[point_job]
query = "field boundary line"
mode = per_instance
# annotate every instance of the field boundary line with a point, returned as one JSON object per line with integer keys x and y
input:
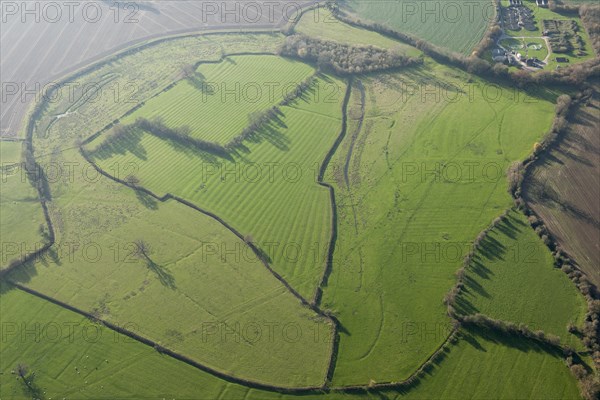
{"x": 314, "y": 303}
{"x": 322, "y": 169}
{"x": 258, "y": 252}
{"x": 166, "y": 351}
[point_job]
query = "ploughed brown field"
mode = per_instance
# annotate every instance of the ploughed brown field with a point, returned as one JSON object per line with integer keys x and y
{"x": 564, "y": 188}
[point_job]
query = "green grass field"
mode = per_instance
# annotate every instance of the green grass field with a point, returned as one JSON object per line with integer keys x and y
{"x": 456, "y": 26}
{"x": 513, "y": 279}
{"x": 420, "y": 172}
{"x": 73, "y": 358}
{"x": 10, "y": 152}
{"x": 469, "y": 365}
{"x": 203, "y": 102}
{"x": 403, "y": 226}
{"x": 193, "y": 266}
{"x": 21, "y": 216}
{"x": 268, "y": 192}
{"x": 322, "y": 24}
{"x": 20, "y": 236}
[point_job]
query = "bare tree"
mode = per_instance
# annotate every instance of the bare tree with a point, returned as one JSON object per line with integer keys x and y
{"x": 22, "y": 371}
{"x": 132, "y": 180}
{"x": 143, "y": 249}
{"x": 188, "y": 70}
{"x": 27, "y": 377}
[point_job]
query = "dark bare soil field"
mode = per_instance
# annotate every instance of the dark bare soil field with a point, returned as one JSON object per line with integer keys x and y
{"x": 564, "y": 189}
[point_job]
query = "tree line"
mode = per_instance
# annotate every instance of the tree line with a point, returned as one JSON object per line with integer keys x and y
{"x": 590, "y": 16}
{"x": 342, "y": 58}
{"x": 182, "y": 135}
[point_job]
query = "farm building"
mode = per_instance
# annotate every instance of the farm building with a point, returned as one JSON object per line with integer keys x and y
{"x": 541, "y": 3}
{"x": 498, "y": 55}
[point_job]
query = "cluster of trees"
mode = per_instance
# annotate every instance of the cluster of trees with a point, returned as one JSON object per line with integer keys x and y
{"x": 27, "y": 378}
{"x": 302, "y": 88}
{"x": 257, "y": 121}
{"x": 490, "y": 37}
{"x": 343, "y": 58}
{"x": 559, "y": 7}
{"x": 590, "y": 16}
{"x": 489, "y": 40}
{"x": 589, "y": 383}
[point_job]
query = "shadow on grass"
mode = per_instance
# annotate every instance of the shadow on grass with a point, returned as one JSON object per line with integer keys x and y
{"x": 129, "y": 142}
{"x": 490, "y": 250}
{"x": 146, "y": 200}
{"x": 164, "y": 276}
{"x": 471, "y": 334}
{"x": 30, "y": 388}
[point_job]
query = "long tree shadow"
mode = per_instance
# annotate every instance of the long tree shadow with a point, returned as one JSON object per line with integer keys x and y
{"x": 129, "y": 141}
{"x": 480, "y": 269}
{"x": 549, "y": 159}
{"x": 29, "y": 386}
{"x": 491, "y": 248}
{"x": 568, "y": 153}
{"x": 146, "y": 200}
{"x": 165, "y": 277}
{"x": 510, "y": 227}
{"x": 515, "y": 341}
{"x": 481, "y": 339}
{"x": 463, "y": 305}
{"x": 198, "y": 81}
{"x": 271, "y": 132}
{"x": 472, "y": 284}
